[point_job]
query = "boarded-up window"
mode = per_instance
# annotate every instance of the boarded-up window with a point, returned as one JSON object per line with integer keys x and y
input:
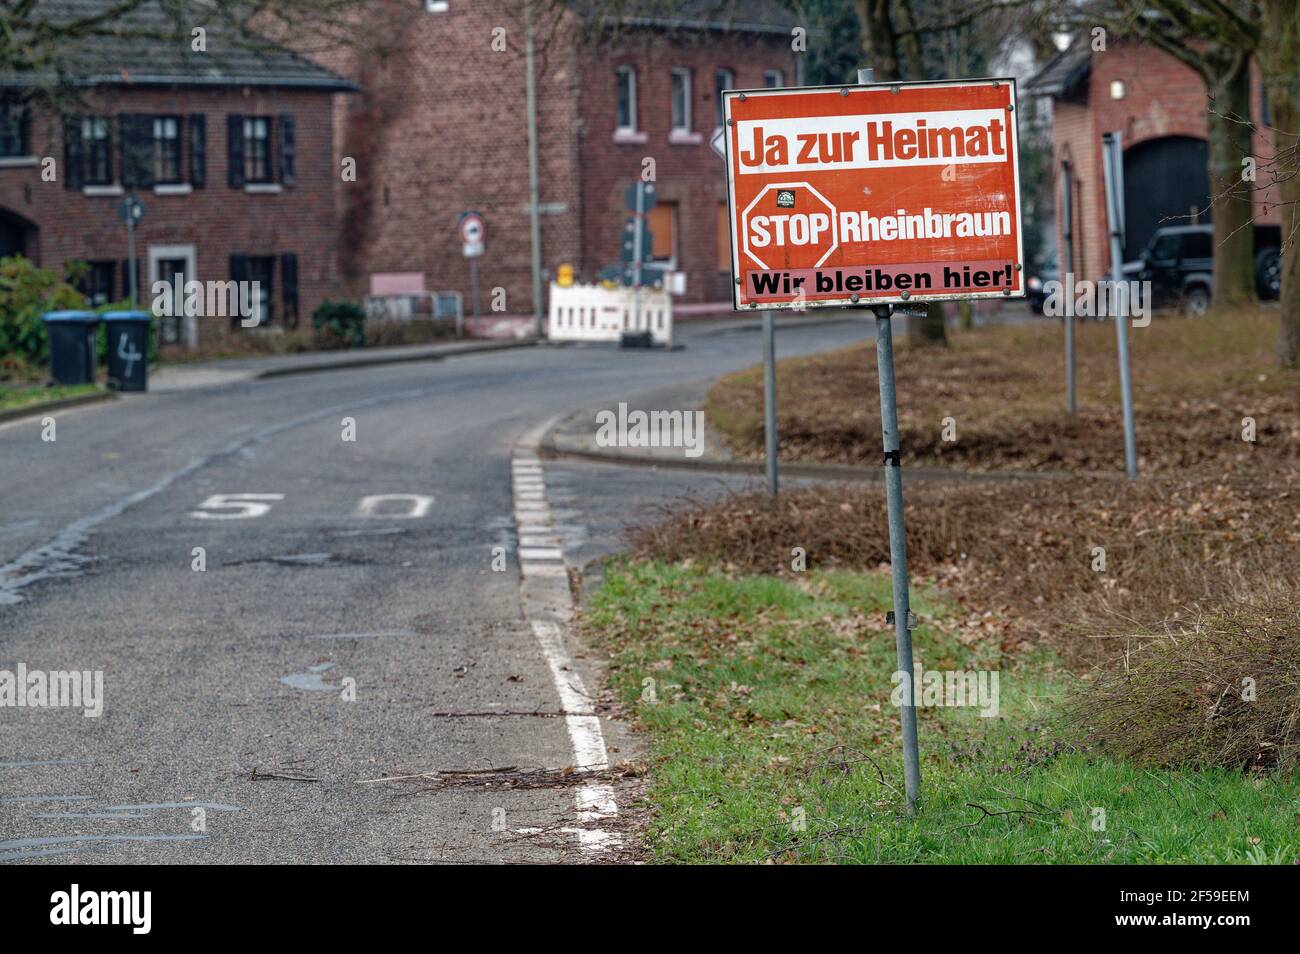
{"x": 724, "y": 239}
{"x": 663, "y": 229}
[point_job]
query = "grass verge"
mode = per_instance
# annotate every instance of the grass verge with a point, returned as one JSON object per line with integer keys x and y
{"x": 772, "y": 736}
{"x": 14, "y": 398}
{"x": 994, "y": 400}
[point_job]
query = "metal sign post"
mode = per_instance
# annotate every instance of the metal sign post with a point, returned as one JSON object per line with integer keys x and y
{"x": 769, "y": 399}
{"x": 472, "y": 236}
{"x": 534, "y": 189}
{"x": 902, "y": 615}
{"x": 1112, "y": 153}
{"x": 897, "y": 535}
{"x": 638, "y": 253}
{"x": 1065, "y": 272}
{"x": 131, "y": 211}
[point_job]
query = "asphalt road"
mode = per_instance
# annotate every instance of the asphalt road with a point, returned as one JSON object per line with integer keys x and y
{"x": 224, "y": 689}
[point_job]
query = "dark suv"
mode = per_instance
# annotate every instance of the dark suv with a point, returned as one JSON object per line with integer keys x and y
{"x": 1179, "y": 264}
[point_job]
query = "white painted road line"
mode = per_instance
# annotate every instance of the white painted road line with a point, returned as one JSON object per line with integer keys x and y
{"x": 540, "y": 553}
{"x": 555, "y": 570}
{"x": 541, "y": 565}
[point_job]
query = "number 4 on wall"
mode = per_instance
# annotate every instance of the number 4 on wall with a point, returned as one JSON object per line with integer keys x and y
{"x": 236, "y": 506}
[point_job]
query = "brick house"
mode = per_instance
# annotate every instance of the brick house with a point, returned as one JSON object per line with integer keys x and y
{"x": 1160, "y": 106}
{"x": 229, "y": 150}
{"x": 441, "y": 128}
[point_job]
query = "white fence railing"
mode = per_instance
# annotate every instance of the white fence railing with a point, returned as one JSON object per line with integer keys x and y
{"x": 597, "y": 313}
{"x": 437, "y": 306}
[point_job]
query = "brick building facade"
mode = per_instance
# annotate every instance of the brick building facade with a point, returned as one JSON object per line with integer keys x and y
{"x": 230, "y": 156}
{"x": 1160, "y": 106}
{"x": 441, "y": 128}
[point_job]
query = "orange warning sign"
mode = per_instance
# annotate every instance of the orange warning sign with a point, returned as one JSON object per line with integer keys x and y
{"x": 893, "y": 192}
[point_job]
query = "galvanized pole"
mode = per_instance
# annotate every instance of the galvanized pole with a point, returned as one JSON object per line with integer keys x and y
{"x": 897, "y": 548}
{"x": 897, "y": 535}
{"x": 769, "y": 399}
{"x": 132, "y": 268}
{"x": 1065, "y": 272}
{"x": 473, "y": 283}
{"x": 638, "y": 252}
{"x": 1112, "y": 153}
{"x": 534, "y": 196}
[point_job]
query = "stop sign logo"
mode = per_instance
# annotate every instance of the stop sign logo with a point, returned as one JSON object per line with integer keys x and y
{"x": 789, "y": 225}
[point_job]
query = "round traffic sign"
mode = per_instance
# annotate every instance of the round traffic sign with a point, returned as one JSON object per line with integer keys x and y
{"x": 471, "y": 228}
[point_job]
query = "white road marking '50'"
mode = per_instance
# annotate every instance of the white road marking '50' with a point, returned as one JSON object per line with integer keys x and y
{"x": 394, "y": 505}
{"x": 246, "y": 506}
{"x": 243, "y": 506}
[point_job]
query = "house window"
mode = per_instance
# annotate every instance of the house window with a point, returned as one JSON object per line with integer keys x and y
{"x": 626, "y": 99}
{"x": 13, "y": 130}
{"x": 681, "y": 106}
{"x": 773, "y": 79}
{"x": 662, "y": 220}
{"x": 436, "y": 6}
{"x": 257, "y": 149}
{"x": 97, "y": 150}
{"x": 167, "y": 149}
{"x": 261, "y": 269}
{"x": 722, "y": 80}
{"x": 97, "y": 283}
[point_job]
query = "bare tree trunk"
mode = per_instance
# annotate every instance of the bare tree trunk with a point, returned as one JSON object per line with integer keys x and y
{"x": 913, "y": 61}
{"x": 885, "y": 53}
{"x": 879, "y": 38}
{"x": 1280, "y": 58}
{"x": 1230, "y": 143}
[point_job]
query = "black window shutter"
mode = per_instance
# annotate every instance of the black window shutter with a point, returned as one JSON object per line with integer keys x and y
{"x": 126, "y": 280}
{"x": 235, "y": 153}
{"x": 288, "y": 150}
{"x": 289, "y": 278}
{"x": 136, "y": 132}
{"x": 198, "y": 150}
{"x": 74, "y": 166}
{"x": 238, "y": 273}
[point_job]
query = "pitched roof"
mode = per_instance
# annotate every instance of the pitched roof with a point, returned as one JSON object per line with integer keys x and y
{"x": 150, "y": 46}
{"x": 1063, "y": 73}
{"x": 743, "y": 16}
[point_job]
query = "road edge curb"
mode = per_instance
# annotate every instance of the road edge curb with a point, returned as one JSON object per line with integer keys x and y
{"x": 363, "y": 361}
{"x": 549, "y": 450}
{"x": 59, "y": 404}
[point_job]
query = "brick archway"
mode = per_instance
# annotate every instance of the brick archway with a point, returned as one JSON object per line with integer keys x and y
{"x": 1164, "y": 179}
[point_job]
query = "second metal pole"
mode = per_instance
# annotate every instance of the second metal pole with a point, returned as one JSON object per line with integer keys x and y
{"x": 1065, "y": 272}
{"x": 132, "y": 267}
{"x": 1112, "y": 153}
{"x": 769, "y": 399}
{"x": 897, "y": 549}
{"x": 534, "y": 191}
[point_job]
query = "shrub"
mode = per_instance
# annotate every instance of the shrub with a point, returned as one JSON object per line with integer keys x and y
{"x": 419, "y": 331}
{"x": 339, "y": 324}
{"x": 1225, "y": 693}
{"x": 26, "y": 293}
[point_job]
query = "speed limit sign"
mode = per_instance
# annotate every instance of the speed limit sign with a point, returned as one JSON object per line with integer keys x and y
{"x": 471, "y": 234}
